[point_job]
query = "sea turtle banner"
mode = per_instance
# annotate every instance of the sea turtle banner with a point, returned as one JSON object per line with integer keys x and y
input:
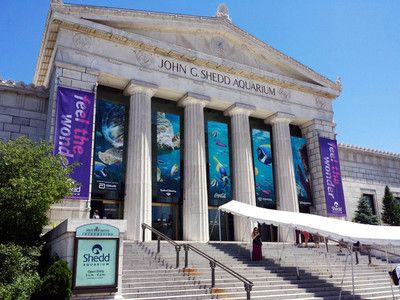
{"x": 109, "y": 164}
{"x": 219, "y": 178}
{"x": 263, "y": 168}
{"x": 73, "y": 135}
{"x": 168, "y": 156}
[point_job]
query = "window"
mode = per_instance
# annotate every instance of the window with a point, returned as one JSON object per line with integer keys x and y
{"x": 370, "y": 200}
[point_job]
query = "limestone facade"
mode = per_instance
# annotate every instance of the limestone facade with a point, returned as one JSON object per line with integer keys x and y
{"x": 196, "y": 63}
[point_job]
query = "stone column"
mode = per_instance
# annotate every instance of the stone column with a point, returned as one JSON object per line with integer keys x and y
{"x": 312, "y": 130}
{"x": 243, "y": 171}
{"x": 195, "y": 198}
{"x": 285, "y": 183}
{"x": 137, "y": 205}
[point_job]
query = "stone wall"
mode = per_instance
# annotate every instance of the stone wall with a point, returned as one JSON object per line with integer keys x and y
{"x": 23, "y": 110}
{"x": 368, "y": 171}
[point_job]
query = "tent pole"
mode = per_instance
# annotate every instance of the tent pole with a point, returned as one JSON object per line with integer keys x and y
{"x": 328, "y": 260}
{"x": 388, "y": 267}
{"x": 344, "y": 274}
{"x": 283, "y": 244}
{"x": 352, "y": 270}
{"x": 219, "y": 225}
{"x": 297, "y": 265}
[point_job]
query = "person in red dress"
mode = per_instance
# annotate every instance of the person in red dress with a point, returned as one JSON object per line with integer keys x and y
{"x": 306, "y": 236}
{"x": 257, "y": 244}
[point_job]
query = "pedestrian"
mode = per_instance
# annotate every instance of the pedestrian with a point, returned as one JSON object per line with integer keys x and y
{"x": 316, "y": 238}
{"x": 306, "y": 236}
{"x": 96, "y": 215}
{"x": 257, "y": 244}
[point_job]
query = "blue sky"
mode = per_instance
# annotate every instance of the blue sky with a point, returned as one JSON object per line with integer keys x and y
{"x": 358, "y": 40}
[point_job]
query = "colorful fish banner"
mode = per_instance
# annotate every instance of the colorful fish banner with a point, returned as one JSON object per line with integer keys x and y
{"x": 73, "y": 135}
{"x": 219, "y": 178}
{"x": 109, "y": 165}
{"x": 168, "y": 155}
{"x": 263, "y": 169}
{"x": 334, "y": 197}
{"x": 301, "y": 170}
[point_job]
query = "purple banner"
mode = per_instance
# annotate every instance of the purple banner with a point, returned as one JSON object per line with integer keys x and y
{"x": 334, "y": 197}
{"x": 73, "y": 135}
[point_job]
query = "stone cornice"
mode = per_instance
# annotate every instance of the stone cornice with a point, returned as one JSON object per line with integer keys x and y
{"x": 103, "y": 13}
{"x": 137, "y": 41}
{"x": 22, "y": 88}
{"x": 369, "y": 151}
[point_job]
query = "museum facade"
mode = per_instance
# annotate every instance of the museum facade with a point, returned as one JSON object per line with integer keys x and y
{"x": 170, "y": 116}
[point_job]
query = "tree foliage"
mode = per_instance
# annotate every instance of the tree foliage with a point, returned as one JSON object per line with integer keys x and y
{"x": 18, "y": 275}
{"x": 390, "y": 209}
{"x": 31, "y": 179}
{"x": 364, "y": 213}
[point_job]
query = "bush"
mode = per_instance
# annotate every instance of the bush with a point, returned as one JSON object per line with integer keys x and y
{"x": 364, "y": 213}
{"x": 31, "y": 179}
{"x": 56, "y": 283}
{"x": 18, "y": 275}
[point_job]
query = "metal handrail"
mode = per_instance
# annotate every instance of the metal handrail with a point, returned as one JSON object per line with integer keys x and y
{"x": 213, "y": 263}
{"x": 164, "y": 237}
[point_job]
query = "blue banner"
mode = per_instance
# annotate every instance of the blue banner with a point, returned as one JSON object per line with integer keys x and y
{"x": 263, "y": 169}
{"x": 301, "y": 170}
{"x": 168, "y": 155}
{"x": 109, "y": 165}
{"x": 219, "y": 179}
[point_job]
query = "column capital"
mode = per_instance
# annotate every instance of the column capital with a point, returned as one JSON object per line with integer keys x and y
{"x": 194, "y": 98}
{"x": 138, "y": 86}
{"x": 279, "y": 117}
{"x": 239, "y": 109}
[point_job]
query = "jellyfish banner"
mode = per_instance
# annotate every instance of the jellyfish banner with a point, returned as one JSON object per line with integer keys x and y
{"x": 219, "y": 179}
{"x": 335, "y": 203}
{"x": 73, "y": 135}
{"x": 301, "y": 170}
{"x": 263, "y": 172}
{"x": 109, "y": 165}
{"x": 168, "y": 151}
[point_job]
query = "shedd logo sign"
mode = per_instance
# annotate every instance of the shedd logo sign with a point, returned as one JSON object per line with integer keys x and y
{"x": 97, "y": 256}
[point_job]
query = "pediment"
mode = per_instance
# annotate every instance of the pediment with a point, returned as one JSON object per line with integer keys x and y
{"x": 214, "y": 37}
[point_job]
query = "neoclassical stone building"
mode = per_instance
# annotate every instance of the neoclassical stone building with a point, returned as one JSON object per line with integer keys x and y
{"x": 189, "y": 113}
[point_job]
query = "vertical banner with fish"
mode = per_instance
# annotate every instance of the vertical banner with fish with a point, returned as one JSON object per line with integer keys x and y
{"x": 168, "y": 153}
{"x": 73, "y": 135}
{"x": 334, "y": 197}
{"x": 109, "y": 165}
{"x": 263, "y": 169}
{"x": 301, "y": 170}
{"x": 219, "y": 163}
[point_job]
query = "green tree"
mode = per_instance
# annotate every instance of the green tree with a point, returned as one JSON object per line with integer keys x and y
{"x": 31, "y": 179}
{"x": 391, "y": 209}
{"x": 364, "y": 213}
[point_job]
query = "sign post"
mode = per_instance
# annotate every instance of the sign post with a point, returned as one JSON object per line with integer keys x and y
{"x": 96, "y": 258}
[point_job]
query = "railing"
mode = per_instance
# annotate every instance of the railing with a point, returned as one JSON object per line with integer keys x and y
{"x": 248, "y": 285}
{"x": 164, "y": 237}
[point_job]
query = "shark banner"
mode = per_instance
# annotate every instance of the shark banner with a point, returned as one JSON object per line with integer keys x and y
{"x": 73, "y": 135}
{"x": 263, "y": 169}
{"x": 109, "y": 150}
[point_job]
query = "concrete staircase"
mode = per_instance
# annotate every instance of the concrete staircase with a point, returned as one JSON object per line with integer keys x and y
{"x": 148, "y": 275}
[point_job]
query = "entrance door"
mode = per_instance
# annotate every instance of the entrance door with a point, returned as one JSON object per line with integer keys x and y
{"x": 215, "y": 223}
{"x": 166, "y": 219}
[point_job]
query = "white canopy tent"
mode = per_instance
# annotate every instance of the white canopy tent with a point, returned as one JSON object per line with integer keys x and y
{"x": 328, "y": 227}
